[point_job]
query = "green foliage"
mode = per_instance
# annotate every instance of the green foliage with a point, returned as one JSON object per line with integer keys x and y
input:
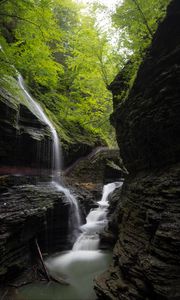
{"x": 31, "y": 27}
{"x": 68, "y": 61}
{"x": 136, "y": 21}
{"x": 62, "y": 56}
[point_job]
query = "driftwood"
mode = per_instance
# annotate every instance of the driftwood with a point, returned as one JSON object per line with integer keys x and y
{"x": 42, "y": 261}
{"x": 59, "y": 279}
{"x": 49, "y": 276}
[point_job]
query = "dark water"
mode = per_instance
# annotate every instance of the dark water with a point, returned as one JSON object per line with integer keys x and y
{"x": 79, "y": 268}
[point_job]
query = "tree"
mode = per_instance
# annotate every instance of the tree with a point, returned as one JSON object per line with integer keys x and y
{"x": 29, "y": 27}
{"x": 63, "y": 56}
{"x": 67, "y": 60}
{"x": 136, "y": 22}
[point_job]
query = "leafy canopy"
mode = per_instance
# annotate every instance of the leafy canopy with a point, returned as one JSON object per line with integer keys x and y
{"x": 67, "y": 60}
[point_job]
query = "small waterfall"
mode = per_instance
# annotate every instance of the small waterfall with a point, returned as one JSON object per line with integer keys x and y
{"x": 83, "y": 263}
{"x": 95, "y": 221}
{"x": 74, "y": 222}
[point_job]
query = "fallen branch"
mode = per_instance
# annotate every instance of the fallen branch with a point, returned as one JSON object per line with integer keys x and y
{"x": 58, "y": 279}
{"x": 42, "y": 261}
{"x": 49, "y": 276}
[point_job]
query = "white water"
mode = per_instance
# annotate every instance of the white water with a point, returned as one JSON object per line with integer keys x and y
{"x": 95, "y": 222}
{"x": 79, "y": 266}
{"x": 36, "y": 108}
{"x": 74, "y": 220}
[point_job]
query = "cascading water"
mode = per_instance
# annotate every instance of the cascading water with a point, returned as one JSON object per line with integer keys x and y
{"x": 95, "y": 221}
{"x": 85, "y": 261}
{"x": 79, "y": 266}
{"x": 74, "y": 222}
{"x": 37, "y": 110}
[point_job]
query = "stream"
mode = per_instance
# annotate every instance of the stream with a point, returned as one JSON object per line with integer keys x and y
{"x": 80, "y": 265}
{"x": 80, "y": 268}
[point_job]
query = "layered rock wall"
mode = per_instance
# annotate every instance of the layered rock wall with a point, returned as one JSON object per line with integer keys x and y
{"x": 101, "y": 165}
{"x": 146, "y": 257}
{"x": 29, "y": 212}
{"x": 25, "y": 141}
{"x": 147, "y": 123}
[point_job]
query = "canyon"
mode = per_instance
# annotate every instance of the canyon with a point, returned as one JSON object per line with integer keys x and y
{"x": 146, "y": 261}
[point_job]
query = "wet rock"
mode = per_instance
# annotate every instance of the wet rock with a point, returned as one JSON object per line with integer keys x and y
{"x": 23, "y": 136}
{"x": 102, "y": 165}
{"x": 87, "y": 194}
{"x": 147, "y": 123}
{"x": 146, "y": 256}
{"x": 28, "y": 212}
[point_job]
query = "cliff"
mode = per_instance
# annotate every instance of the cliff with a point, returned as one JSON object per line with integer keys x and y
{"x": 30, "y": 207}
{"x": 25, "y": 141}
{"x": 23, "y": 136}
{"x": 146, "y": 256}
{"x": 29, "y": 212}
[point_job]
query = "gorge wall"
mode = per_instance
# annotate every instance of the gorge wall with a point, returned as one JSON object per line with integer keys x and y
{"x": 146, "y": 256}
{"x": 25, "y": 141}
{"x": 30, "y": 207}
{"x": 29, "y": 212}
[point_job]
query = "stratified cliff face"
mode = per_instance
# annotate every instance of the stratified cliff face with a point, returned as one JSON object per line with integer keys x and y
{"x": 101, "y": 165}
{"x": 147, "y": 124}
{"x": 146, "y": 259}
{"x": 25, "y": 141}
{"x": 29, "y": 212}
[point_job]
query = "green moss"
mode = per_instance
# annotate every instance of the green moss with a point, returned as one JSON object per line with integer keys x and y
{"x": 14, "y": 93}
{"x": 70, "y": 131}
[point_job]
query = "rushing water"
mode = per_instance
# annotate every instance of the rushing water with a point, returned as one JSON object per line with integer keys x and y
{"x": 80, "y": 265}
{"x": 95, "y": 222}
{"x": 74, "y": 220}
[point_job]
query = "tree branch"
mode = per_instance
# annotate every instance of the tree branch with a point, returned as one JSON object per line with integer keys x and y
{"x": 23, "y": 19}
{"x": 143, "y": 17}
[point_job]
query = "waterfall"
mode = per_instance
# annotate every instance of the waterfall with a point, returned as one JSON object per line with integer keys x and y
{"x": 74, "y": 222}
{"x": 37, "y": 110}
{"x": 95, "y": 221}
{"x": 82, "y": 264}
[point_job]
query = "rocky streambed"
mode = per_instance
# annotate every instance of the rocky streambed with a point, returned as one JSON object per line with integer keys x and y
{"x": 30, "y": 211}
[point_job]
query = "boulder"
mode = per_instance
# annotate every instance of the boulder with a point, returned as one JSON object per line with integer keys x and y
{"x": 102, "y": 165}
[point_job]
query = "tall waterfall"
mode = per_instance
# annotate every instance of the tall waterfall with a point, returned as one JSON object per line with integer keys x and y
{"x": 37, "y": 109}
{"x": 95, "y": 221}
{"x": 74, "y": 222}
